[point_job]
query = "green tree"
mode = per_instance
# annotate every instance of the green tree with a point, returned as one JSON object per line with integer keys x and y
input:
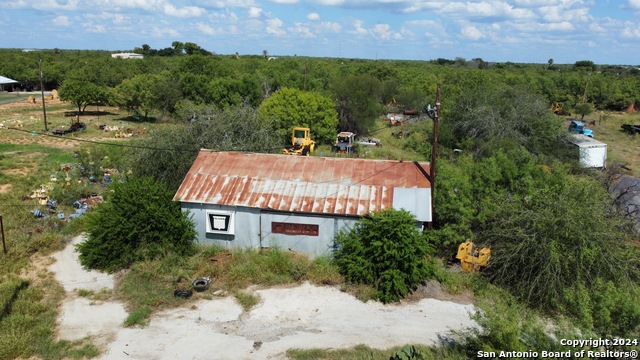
{"x": 200, "y": 127}
{"x": 563, "y": 236}
{"x": 359, "y": 102}
{"x": 386, "y": 251}
{"x": 137, "y": 94}
{"x": 139, "y": 221}
{"x": 288, "y": 108}
{"x": 586, "y": 65}
{"x": 583, "y": 109}
{"x": 167, "y": 92}
{"x": 485, "y": 117}
{"x": 81, "y": 93}
{"x": 227, "y": 92}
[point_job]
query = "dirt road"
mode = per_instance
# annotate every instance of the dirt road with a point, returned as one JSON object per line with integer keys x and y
{"x": 304, "y": 316}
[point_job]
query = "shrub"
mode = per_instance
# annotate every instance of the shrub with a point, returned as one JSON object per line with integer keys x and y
{"x": 139, "y": 221}
{"x": 387, "y": 251}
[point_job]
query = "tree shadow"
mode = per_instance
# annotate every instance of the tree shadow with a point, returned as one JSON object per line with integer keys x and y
{"x": 88, "y": 113}
{"x": 138, "y": 119}
{"x": 7, "y": 308}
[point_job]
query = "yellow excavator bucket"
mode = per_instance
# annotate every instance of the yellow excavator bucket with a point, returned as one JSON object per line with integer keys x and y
{"x": 471, "y": 259}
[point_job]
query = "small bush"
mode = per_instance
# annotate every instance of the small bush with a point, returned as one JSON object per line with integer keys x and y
{"x": 139, "y": 221}
{"x": 386, "y": 251}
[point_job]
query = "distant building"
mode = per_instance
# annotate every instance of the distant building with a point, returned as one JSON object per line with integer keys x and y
{"x": 298, "y": 203}
{"x": 127, "y": 56}
{"x": 6, "y": 81}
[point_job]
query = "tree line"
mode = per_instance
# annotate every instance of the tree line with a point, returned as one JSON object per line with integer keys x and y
{"x": 359, "y": 89}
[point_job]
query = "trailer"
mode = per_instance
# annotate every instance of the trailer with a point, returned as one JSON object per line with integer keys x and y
{"x": 593, "y": 153}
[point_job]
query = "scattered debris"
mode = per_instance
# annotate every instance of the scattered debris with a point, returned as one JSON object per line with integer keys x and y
{"x": 182, "y": 293}
{"x": 41, "y": 194}
{"x": 221, "y": 257}
{"x": 75, "y": 126}
{"x": 37, "y": 213}
{"x": 201, "y": 284}
{"x": 369, "y": 142}
{"x": 632, "y": 129}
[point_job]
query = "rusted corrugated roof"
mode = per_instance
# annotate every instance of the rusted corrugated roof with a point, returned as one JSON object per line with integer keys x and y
{"x": 313, "y": 184}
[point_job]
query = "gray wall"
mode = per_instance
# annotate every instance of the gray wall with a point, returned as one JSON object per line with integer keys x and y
{"x": 253, "y": 229}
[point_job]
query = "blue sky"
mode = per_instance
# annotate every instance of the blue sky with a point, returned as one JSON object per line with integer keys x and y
{"x": 530, "y": 31}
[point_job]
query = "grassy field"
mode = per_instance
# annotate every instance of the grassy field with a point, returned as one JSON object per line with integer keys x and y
{"x": 622, "y": 147}
{"x": 29, "y": 296}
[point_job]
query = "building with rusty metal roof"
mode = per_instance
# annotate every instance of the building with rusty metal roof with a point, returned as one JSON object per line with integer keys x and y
{"x": 295, "y": 202}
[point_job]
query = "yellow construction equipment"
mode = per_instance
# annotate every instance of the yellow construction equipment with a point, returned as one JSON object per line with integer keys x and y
{"x": 301, "y": 143}
{"x": 471, "y": 259}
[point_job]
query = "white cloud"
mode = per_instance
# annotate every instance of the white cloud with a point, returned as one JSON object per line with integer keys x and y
{"x": 284, "y": 1}
{"x": 560, "y": 13}
{"x": 535, "y": 3}
{"x": 331, "y": 2}
{"x": 165, "y": 32}
{"x": 383, "y": 32}
{"x": 302, "y": 30}
{"x": 254, "y": 12}
{"x": 329, "y": 26}
{"x": 94, "y": 28}
{"x": 558, "y": 26}
{"x": 116, "y": 5}
{"x": 634, "y": 4}
{"x": 485, "y": 9}
{"x": 206, "y": 29}
{"x": 358, "y": 28}
{"x": 61, "y": 21}
{"x": 632, "y": 32}
{"x": 471, "y": 32}
{"x": 184, "y": 12}
{"x": 314, "y": 16}
{"x": 274, "y": 26}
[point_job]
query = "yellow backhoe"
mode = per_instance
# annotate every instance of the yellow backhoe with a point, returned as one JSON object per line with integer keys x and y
{"x": 301, "y": 143}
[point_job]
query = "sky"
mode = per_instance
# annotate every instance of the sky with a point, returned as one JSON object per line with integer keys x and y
{"x": 521, "y": 31}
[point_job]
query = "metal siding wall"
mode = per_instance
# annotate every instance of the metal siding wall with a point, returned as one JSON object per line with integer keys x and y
{"x": 247, "y": 230}
{"x": 247, "y": 226}
{"x": 311, "y": 245}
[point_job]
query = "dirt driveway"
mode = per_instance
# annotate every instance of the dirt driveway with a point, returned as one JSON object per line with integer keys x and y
{"x": 305, "y": 316}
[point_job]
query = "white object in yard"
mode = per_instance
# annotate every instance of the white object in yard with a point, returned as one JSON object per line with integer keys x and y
{"x": 593, "y": 153}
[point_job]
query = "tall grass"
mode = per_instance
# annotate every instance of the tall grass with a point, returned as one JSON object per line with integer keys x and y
{"x": 148, "y": 286}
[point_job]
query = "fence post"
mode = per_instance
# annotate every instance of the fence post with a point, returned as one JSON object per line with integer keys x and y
{"x": 4, "y": 247}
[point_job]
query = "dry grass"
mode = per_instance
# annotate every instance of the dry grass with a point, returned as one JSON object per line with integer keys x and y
{"x": 622, "y": 147}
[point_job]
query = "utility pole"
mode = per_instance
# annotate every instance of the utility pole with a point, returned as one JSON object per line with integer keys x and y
{"x": 4, "y": 246}
{"x": 44, "y": 108}
{"x": 434, "y": 114}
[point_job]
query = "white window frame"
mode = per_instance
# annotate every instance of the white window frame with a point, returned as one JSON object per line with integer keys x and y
{"x": 230, "y": 230}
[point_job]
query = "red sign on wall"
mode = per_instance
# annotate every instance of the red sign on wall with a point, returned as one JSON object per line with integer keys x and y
{"x": 294, "y": 229}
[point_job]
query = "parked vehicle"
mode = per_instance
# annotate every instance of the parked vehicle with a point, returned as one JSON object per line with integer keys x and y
{"x": 345, "y": 143}
{"x": 301, "y": 143}
{"x": 578, "y": 127}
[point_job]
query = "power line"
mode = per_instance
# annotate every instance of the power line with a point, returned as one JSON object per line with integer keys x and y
{"x": 129, "y": 145}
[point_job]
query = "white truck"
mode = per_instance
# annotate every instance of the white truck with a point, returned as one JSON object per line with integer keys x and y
{"x": 593, "y": 153}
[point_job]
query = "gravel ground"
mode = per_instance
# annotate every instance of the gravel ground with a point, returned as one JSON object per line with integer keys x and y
{"x": 305, "y": 316}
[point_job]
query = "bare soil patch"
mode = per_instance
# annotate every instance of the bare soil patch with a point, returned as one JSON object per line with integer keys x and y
{"x": 303, "y": 316}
